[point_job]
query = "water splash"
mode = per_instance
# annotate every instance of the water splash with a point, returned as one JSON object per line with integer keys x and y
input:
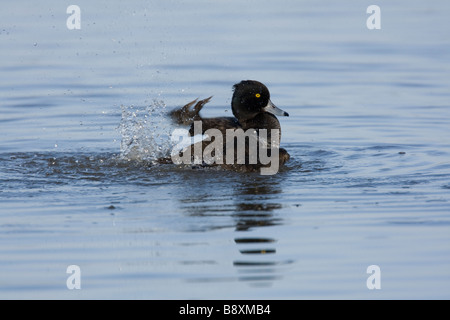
{"x": 146, "y": 132}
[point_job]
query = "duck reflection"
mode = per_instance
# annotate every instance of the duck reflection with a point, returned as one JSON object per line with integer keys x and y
{"x": 252, "y": 203}
{"x": 256, "y": 215}
{"x": 255, "y": 207}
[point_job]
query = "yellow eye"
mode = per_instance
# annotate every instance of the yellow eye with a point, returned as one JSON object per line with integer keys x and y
{"x": 257, "y": 95}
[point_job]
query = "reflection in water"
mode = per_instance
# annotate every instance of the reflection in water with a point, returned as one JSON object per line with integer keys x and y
{"x": 246, "y": 221}
{"x": 255, "y": 206}
{"x": 264, "y": 250}
{"x": 251, "y": 203}
{"x": 259, "y": 251}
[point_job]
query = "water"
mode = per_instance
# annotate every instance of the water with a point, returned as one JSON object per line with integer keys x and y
{"x": 83, "y": 115}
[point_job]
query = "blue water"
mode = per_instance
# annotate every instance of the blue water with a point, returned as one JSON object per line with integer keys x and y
{"x": 368, "y": 182}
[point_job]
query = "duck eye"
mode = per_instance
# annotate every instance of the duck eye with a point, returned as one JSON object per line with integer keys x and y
{"x": 257, "y": 95}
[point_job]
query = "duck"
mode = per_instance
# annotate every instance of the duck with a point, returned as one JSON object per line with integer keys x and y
{"x": 252, "y": 110}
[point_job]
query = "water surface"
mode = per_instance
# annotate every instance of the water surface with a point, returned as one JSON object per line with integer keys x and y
{"x": 83, "y": 113}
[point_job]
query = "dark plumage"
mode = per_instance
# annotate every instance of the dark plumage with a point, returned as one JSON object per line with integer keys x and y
{"x": 185, "y": 115}
{"x": 252, "y": 109}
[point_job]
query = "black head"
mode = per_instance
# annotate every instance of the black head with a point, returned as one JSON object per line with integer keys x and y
{"x": 251, "y": 98}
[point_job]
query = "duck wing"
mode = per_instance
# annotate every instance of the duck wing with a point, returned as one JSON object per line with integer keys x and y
{"x": 186, "y": 115}
{"x": 220, "y": 123}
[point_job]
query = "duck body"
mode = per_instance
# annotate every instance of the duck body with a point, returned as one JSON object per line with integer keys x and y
{"x": 254, "y": 113}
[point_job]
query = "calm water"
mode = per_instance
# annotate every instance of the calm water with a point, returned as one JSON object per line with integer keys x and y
{"x": 368, "y": 182}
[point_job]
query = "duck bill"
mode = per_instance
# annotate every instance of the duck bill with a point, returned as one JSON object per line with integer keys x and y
{"x": 273, "y": 109}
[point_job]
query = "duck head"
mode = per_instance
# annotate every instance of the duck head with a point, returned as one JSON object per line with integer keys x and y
{"x": 251, "y": 98}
